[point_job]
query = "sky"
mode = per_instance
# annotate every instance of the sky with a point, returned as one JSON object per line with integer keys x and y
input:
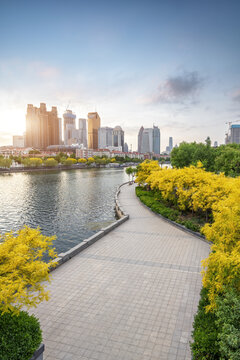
{"x": 171, "y": 63}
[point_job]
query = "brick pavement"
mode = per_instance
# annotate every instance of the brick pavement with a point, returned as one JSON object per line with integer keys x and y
{"x": 131, "y": 295}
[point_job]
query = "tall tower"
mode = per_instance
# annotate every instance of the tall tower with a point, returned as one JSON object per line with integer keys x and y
{"x": 69, "y": 125}
{"x": 156, "y": 140}
{"x": 170, "y": 143}
{"x": 147, "y": 141}
{"x": 42, "y": 127}
{"x": 82, "y": 125}
{"x": 105, "y": 137}
{"x": 118, "y": 137}
{"x": 94, "y": 123}
{"x": 140, "y": 135}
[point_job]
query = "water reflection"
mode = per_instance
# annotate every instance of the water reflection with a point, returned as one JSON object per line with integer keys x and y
{"x": 71, "y": 204}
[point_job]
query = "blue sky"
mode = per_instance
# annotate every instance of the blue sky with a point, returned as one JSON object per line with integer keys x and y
{"x": 171, "y": 63}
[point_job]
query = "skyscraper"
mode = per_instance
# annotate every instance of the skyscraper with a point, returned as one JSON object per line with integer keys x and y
{"x": 105, "y": 137}
{"x": 82, "y": 125}
{"x": 118, "y": 137}
{"x": 235, "y": 134}
{"x": 94, "y": 123}
{"x": 69, "y": 125}
{"x": 42, "y": 127}
{"x": 140, "y": 134}
{"x": 149, "y": 140}
{"x": 170, "y": 143}
{"x": 125, "y": 147}
{"x": 156, "y": 140}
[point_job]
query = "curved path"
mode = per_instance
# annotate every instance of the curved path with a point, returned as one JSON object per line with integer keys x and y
{"x": 131, "y": 295}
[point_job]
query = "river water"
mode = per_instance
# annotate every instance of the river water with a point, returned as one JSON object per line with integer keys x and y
{"x": 72, "y": 204}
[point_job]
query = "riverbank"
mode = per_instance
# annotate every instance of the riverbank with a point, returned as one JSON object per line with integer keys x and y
{"x": 64, "y": 167}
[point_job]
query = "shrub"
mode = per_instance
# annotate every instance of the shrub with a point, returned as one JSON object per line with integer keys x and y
{"x": 50, "y": 162}
{"x": 191, "y": 225}
{"x": 205, "y": 332}
{"x": 228, "y": 322}
{"x": 69, "y": 161}
{"x": 22, "y": 269}
{"x": 20, "y": 336}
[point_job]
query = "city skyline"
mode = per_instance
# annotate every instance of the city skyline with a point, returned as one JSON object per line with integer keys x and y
{"x": 170, "y": 64}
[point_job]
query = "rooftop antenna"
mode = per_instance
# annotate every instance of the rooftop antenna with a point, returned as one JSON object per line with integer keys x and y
{"x": 69, "y": 102}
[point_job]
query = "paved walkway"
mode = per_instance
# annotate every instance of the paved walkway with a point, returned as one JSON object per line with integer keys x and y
{"x": 131, "y": 295}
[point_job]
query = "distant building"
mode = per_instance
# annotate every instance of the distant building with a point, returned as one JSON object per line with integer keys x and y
{"x": 156, "y": 140}
{"x": 170, "y": 144}
{"x": 18, "y": 141}
{"x": 167, "y": 149}
{"x": 69, "y": 125}
{"x": 140, "y": 134}
{"x": 125, "y": 147}
{"x": 42, "y": 127}
{"x": 60, "y": 130}
{"x": 105, "y": 137}
{"x": 149, "y": 140}
{"x": 94, "y": 123}
{"x": 118, "y": 137}
{"x": 235, "y": 134}
{"x": 82, "y": 125}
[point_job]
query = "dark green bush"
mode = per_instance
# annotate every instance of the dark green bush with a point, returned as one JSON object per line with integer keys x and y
{"x": 228, "y": 322}
{"x": 191, "y": 225}
{"x": 205, "y": 332}
{"x": 20, "y": 336}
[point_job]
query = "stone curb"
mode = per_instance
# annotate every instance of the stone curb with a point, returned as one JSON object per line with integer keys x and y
{"x": 38, "y": 355}
{"x": 64, "y": 257}
{"x": 181, "y": 227}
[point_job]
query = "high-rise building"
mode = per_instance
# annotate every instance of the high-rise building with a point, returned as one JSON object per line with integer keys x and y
{"x": 125, "y": 147}
{"x": 147, "y": 140}
{"x": 118, "y": 137}
{"x": 156, "y": 140}
{"x": 140, "y": 134}
{"x": 170, "y": 144}
{"x": 94, "y": 123}
{"x": 69, "y": 125}
{"x": 82, "y": 125}
{"x": 105, "y": 137}
{"x": 235, "y": 134}
{"x": 42, "y": 127}
{"x": 18, "y": 141}
{"x": 60, "y": 131}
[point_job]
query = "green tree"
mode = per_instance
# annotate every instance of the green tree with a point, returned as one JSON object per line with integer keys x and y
{"x": 5, "y": 162}
{"x": 50, "y": 162}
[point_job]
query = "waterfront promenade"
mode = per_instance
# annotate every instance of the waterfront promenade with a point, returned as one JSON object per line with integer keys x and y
{"x": 131, "y": 295}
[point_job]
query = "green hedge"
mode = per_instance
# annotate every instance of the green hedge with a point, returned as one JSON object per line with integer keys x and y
{"x": 216, "y": 335}
{"x": 205, "y": 346}
{"x": 158, "y": 205}
{"x": 20, "y": 336}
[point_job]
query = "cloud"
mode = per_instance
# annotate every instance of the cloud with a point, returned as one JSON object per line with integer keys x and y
{"x": 179, "y": 89}
{"x": 236, "y": 96}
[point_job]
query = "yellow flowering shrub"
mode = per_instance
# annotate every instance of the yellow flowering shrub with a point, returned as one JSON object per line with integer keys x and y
{"x": 222, "y": 267}
{"x": 145, "y": 169}
{"x": 22, "y": 269}
{"x": 82, "y": 160}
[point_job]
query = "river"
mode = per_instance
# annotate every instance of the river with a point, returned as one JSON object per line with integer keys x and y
{"x": 72, "y": 204}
